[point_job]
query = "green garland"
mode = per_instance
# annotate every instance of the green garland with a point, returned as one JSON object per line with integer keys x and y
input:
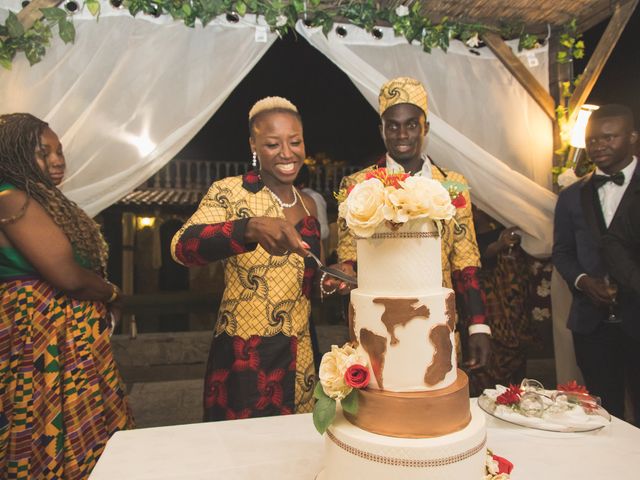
{"x": 280, "y": 15}
{"x": 571, "y": 47}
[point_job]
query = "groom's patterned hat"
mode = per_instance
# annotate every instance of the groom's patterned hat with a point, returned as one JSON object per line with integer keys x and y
{"x": 402, "y": 90}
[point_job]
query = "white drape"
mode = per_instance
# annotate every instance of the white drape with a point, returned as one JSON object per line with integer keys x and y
{"x": 130, "y": 93}
{"x": 483, "y": 123}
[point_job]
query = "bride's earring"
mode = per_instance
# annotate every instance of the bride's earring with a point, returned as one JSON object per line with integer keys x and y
{"x": 254, "y": 160}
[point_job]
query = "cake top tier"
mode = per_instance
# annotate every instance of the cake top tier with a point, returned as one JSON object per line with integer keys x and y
{"x": 402, "y": 261}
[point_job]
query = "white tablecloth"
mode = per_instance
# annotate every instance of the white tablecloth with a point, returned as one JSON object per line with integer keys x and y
{"x": 289, "y": 448}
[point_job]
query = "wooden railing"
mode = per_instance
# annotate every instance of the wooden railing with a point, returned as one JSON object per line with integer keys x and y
{"x": 199, "y": 174}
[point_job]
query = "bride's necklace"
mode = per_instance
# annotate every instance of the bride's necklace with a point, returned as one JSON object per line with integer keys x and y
{"x": 280, "y": 202}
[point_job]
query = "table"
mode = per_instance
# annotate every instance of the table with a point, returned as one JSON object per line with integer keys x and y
{"x": 289, "y": 448}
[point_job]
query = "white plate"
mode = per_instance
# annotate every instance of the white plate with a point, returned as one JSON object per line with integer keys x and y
{"x": 590, "y": 421}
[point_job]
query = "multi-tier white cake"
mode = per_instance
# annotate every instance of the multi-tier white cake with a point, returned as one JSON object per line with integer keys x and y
{"x": 414, "y": 420}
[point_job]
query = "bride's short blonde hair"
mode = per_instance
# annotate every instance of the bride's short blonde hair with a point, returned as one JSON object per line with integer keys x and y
{"x": 269, "y": 105}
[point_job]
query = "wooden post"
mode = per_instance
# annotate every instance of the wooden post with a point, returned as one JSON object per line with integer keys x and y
{"x": 520, "y": 72}
{"x": 610, "y": 37}
{"x": 128, "y": 257}
{"x": 29, "y": 14}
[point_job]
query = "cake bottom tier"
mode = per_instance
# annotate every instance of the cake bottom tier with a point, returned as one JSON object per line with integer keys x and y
{"x": 352, "y": 453}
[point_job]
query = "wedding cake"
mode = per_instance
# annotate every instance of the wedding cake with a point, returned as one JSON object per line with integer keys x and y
{"x": 413, "y": 420}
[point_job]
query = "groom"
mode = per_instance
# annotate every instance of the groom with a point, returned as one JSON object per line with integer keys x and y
{"x": 403, "y": 113}
{"x": 605, "y": 323}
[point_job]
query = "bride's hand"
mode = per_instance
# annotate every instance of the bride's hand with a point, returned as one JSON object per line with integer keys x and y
{"x": 275, "y": 235}
{"x": 333, "y": 284}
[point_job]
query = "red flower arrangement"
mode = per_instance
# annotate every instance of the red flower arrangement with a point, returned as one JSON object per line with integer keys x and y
{"x": 357, "y": 376}
{"x": 511, "y": 396}
{"x": 580, "y": 395}
{"x": 573, "y": 387}
{"x": 388, "y": 179}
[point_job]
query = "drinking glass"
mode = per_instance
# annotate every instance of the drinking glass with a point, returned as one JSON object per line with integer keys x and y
{"x": 612, "y": 289}
{"x": 514, "y": 239}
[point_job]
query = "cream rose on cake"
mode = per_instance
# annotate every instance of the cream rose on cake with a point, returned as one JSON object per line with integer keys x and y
{"x": 399, "y": 205}
{"x": 363, "y": 208}
{"x": 432, "y": 200}
{"x": 333, "y": 367}
{"x": 342, "y": 371}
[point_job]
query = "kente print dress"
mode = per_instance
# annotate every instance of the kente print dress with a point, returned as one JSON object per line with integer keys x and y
{"x": 61, "y": 397}
{"x": 261, "y": 361}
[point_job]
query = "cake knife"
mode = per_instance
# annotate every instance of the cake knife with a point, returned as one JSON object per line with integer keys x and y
{"x": 334, "y": 272}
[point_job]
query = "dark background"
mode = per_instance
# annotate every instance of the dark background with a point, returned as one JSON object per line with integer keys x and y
{"x": 337, "y": 119}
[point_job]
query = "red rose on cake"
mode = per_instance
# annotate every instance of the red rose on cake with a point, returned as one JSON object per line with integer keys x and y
{"x": 357, "y": 376}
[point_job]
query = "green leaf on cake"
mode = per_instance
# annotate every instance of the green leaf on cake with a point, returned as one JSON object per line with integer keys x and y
{"x": 350, "y": 402}
{"x": 323, "y": 413}
{"x": 318, "y": 391}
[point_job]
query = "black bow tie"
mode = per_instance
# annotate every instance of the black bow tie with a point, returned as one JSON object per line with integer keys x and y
{"x": 617, "y": 178}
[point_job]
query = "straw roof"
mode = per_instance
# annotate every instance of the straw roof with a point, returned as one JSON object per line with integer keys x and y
{"x": 535, "y": 15}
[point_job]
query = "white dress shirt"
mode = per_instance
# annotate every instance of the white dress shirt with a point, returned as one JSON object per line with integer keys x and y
{"x": 611, "y": 194}
{"x": 395, "y": 167}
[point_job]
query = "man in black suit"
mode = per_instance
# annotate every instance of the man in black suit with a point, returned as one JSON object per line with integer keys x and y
{"x": 605, "y": 325}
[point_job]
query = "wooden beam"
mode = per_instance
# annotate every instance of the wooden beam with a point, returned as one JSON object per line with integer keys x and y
{"x": 520, "y": 72}
{"x": 601, "y": 54}
{"x": 29, "y": 14}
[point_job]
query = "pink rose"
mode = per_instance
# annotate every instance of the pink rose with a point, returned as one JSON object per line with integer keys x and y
{"x": 504, "y": 465}
{"x": 357, "y": 376}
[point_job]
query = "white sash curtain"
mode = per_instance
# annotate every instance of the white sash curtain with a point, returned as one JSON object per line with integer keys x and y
{"x": 483, "y": 123}
{"x": 129, "y": 94}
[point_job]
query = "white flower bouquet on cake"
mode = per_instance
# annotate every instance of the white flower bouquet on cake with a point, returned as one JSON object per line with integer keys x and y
{"x": 395, "y": 198}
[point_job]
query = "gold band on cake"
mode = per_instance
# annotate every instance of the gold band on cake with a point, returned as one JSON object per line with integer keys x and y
{"x": 414, "y": 414}
{"x": 397, "y": 235}
{"x": 408, "y": 462}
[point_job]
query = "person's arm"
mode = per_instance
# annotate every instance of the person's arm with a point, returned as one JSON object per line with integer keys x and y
{"x": 212, "y": 233}
{"x": 46, "y": 247}
{"x": 347, "y": 251}
{"x": 564, "y": 252}
{"x": 465, "y": 262}
{"x": 622, "y": 247}
{"x": 504, "y": 241}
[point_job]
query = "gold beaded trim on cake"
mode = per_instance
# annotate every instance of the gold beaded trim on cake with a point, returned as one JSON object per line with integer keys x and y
{"x": 404, "y": 462}
{"x": 381, "y": 235}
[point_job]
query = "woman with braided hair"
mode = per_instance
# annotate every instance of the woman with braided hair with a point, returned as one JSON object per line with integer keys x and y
{"x": 61, "y": 396}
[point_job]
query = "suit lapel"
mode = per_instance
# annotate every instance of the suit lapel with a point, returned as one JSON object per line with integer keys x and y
{"x": 632, "y": 189}
{"x": 591, "y": 208}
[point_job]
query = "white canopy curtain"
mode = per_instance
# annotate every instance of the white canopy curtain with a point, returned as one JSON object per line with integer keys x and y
{"x": 130, "y": 93}
{"x": 483, "y": 123}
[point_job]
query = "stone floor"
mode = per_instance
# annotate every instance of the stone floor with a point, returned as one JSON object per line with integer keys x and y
{"x": 164, "y": 372}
